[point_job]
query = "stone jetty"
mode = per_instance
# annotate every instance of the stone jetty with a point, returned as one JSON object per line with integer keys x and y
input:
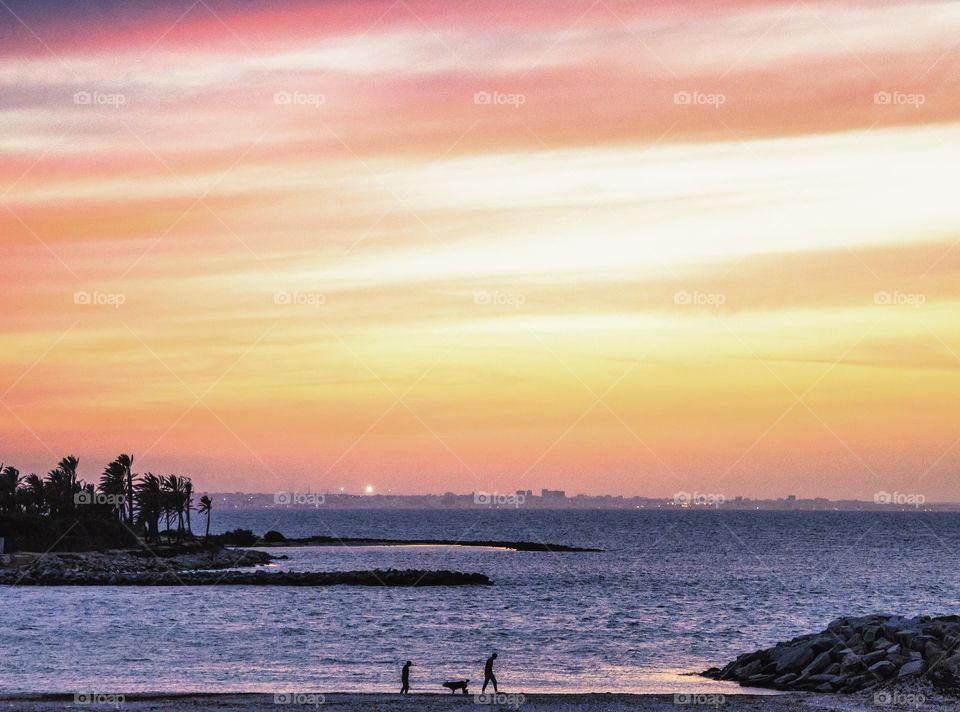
{"x": 855, "y": 654}
{"x": 200, "y": 565}
{"x": 387, "y": 577}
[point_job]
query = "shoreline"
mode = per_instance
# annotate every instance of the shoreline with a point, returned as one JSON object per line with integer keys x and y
{"x": 321, "y": 541}
{"x": 405, "y": 578}
{"x": 214, "y": 562}
{"x": 203, "y": 565}
{"x": 352, "y": 701}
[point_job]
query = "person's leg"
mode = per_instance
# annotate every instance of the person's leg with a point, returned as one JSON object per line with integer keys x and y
{"x": 485, "y": 681}
{"x": 493, "y": 679}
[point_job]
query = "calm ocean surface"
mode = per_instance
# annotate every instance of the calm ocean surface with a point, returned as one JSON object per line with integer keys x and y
{"x": 674, "y": 592}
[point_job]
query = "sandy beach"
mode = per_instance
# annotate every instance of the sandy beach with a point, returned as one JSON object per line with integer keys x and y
{"x": 353, "y": 702}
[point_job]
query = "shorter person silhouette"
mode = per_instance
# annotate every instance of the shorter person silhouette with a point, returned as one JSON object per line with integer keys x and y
{"x": 405, "y": 678}
{"x": 488, "y": 676}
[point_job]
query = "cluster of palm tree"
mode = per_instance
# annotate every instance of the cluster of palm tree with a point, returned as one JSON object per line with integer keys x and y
{"x": 135, "y": 500}
{"x": 169, "y": 499}
{"x": 55, "y": 495}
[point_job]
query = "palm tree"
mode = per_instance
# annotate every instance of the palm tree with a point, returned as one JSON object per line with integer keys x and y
{"x": 32, "y": 495}
{"x": 188, "y": 495}
{"x": 126, "y": 461}
{"x": 54, "y": 487}
{"x": 113, "y": 481}
{"x": 174, "y": 489}
{"x": 61, "y": 486}
{"x": 206, "y": 506}
{"x": 117, "y": 478}
{"x": 149, "y": 496}
{"x": 69, "y": 465}
{"x": 9, "y": 482}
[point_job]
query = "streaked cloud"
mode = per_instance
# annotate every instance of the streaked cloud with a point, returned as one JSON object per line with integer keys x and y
{"x": 235, "y": 237}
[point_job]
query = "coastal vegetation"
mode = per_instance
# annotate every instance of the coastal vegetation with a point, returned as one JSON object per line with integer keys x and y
{"x": 132, "y": 529}
{"x": 64, "y": 513}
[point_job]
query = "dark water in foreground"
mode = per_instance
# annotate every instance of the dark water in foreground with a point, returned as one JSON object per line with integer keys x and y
{"x": 674, "y": 592}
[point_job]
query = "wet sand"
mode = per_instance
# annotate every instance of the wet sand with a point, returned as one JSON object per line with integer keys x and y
{"x": 352, "y": 702}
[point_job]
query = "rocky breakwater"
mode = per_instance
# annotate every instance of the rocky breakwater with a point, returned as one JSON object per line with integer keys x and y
{"x": 855, "y": 654}
{"x": 126, "y": 564}
{"x": 208, "y": 565}
{"x": 391, "y": 577}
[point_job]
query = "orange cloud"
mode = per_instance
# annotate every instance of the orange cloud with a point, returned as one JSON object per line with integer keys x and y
{"x": 449, "y": 246}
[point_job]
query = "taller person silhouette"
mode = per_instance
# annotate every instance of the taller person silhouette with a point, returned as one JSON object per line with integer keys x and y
{"x": 488, "y": 676}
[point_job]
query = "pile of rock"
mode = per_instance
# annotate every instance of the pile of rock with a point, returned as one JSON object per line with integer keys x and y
{"x": 391, "y": 577}
{"x": 274, "y": 539}
{"x": 199, "y": 565}
{"x": 104, "y": 565}
{"x": 855, "y": 654}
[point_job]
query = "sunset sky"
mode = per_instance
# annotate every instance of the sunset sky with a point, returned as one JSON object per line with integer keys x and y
{"x": 610, "y": 247}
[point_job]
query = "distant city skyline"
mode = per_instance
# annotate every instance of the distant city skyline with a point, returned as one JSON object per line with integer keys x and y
{"x": 546, "y": 498}
{"x": 91, "y": 467}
